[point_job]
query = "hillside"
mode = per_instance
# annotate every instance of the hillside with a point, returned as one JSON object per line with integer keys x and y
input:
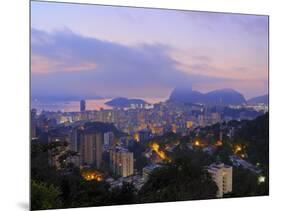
{"x": 259, "y": 99}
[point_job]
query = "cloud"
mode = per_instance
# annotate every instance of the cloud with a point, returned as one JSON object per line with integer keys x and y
{"x": 44, "y": 65}
{"x": 68, "y": 64}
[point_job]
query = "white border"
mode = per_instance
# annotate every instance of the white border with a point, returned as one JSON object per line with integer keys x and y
{"x": 14, "y": 84}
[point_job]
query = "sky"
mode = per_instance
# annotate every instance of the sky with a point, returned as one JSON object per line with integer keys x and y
{"x": 86, "y": 51}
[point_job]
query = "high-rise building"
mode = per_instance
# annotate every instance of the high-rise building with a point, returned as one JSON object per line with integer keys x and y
{"x": 122, "y": 162}
{"x": 76, "y": 144}
{"x": 215, "y": 117}
{"x": 201, "y": 120}
{"x": 92, "y": 149}
{"x": 82, "y": 105}
{"x": 109, "y": 140}
{"x": 222, "y": 176}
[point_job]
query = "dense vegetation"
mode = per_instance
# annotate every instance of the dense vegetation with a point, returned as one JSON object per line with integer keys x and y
{"x": 66, "y": 188}
{"x": 255, "y": 135}
{"x": 246, "y": 183}
{"x": 179, "y": 180}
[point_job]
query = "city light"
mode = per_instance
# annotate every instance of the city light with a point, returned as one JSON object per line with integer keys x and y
{"x": 237, "y": 149}
{"x": 218, "y": 143}
{"x": 116, "y": 118}
{"x": 137, "y": 137}
{"x": 197, "y": 143}
{"x": 92, "y": 175}
{"x": 154, "y": 146}
{"x": 261, "y": 179}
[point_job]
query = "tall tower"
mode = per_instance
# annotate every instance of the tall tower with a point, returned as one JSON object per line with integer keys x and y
{"x": 82, "y": 105}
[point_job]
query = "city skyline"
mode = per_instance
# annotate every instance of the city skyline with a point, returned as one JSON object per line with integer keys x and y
{"x": 137, "y": 52}
{"x": 139, "y": 105}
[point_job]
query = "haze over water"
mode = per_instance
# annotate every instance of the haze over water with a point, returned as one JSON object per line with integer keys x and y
{"x": 74, "y": 106}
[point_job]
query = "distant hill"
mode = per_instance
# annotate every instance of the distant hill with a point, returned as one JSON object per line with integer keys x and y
{"x": 259, "y": 99}
{"x": 216, "y": 97}
{"x": 125, "y": 102}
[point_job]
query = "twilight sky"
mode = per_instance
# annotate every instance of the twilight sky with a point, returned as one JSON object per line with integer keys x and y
{"x": 88, "y": 50}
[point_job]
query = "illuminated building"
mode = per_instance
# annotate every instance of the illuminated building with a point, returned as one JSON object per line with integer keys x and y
{"x": 76, "y": 117}
{"x": 84, "y": 116}
{"x": 107, "y": 116}
{"x": 122, "y": 162}
{"x": 201, "y": 120}
{"x": 109, "y": 139}
{"x": 63, "y": 119}
{"x": 92, "y": 149}
{"x": 76, "y": 143}
{"x": 189, "y": 124}
{"x": 215, "y": 117}
{"x": 82, "y": 105}
{"x": 174, "y": 128}
{"x": 222, "y": 176}
{"x": 157, "y": 129}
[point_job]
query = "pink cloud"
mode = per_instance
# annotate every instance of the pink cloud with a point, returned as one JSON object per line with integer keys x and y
{"x": 45, "y": 65}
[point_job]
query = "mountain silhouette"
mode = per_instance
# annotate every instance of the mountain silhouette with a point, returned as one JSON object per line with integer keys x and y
{"x": 125, "y": 102}
{"x": 259, "y": 99}
{"x": 216, "y": 97}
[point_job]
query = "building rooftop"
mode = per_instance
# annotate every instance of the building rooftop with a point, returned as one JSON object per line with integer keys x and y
{"x": 216, "y": 166}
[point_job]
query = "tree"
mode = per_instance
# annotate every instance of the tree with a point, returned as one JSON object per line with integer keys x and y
{"x": 44, "y": 196}
{"x": 124, "y": 195}
{"x": 76, "y": 192}
{"x": 179, "y": 180}
{"x": 138, "y": 149}
{"x": 245, "y": 183}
